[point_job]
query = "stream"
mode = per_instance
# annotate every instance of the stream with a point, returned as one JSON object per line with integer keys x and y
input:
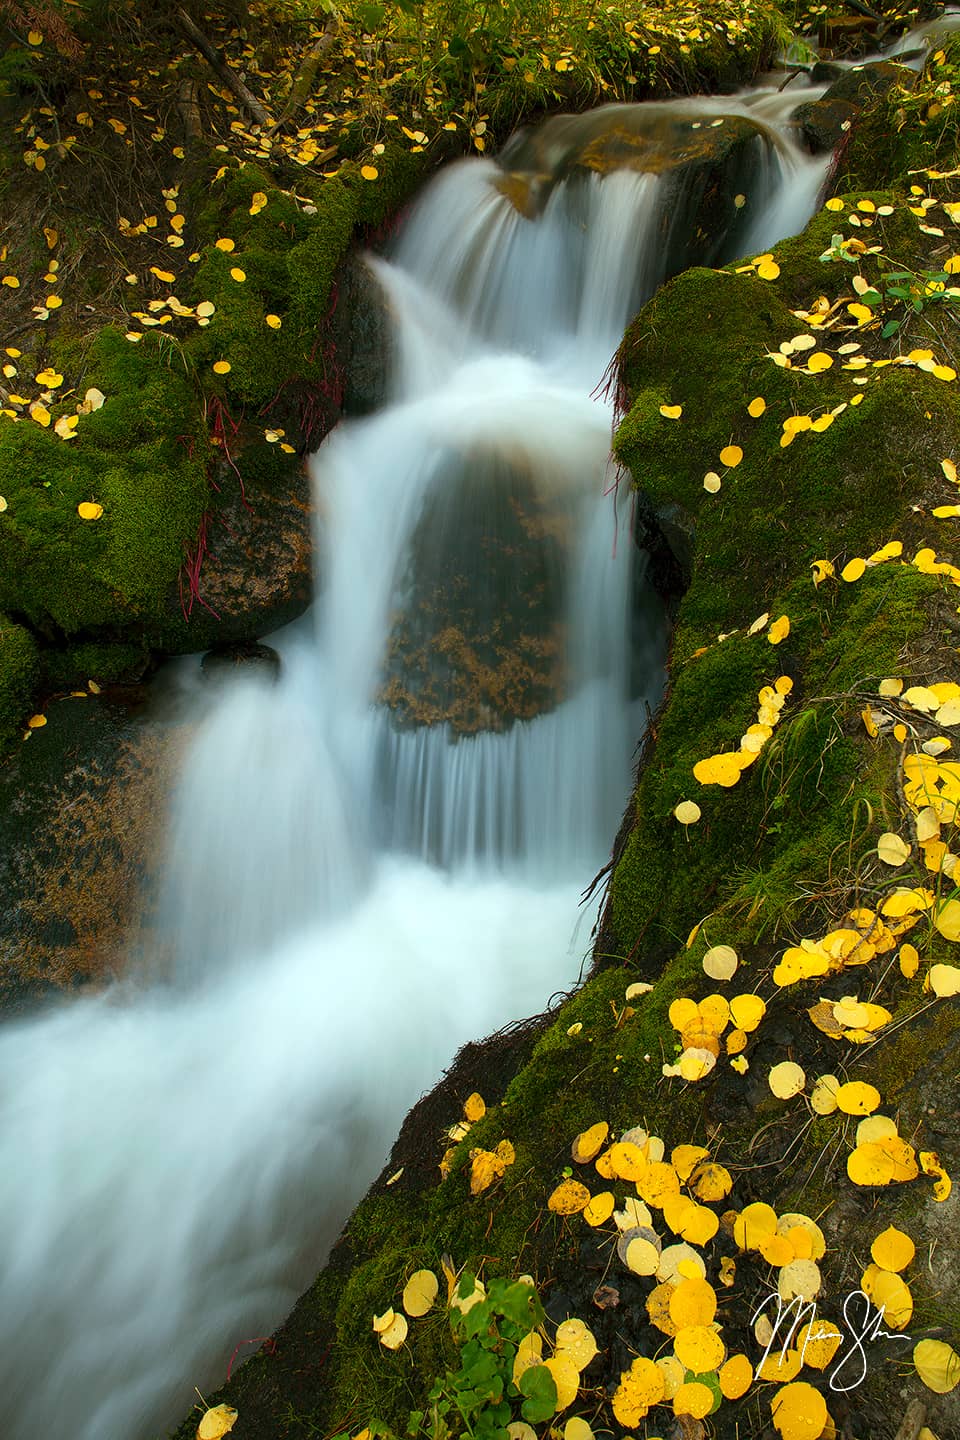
{"x": 351, "y": 893}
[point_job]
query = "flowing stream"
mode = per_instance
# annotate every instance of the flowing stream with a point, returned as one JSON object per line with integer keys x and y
{"x": 349, "y": 894}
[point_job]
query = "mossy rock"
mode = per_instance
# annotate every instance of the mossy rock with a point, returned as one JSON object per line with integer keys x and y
{"x": 19, "y": 669}
{"x": 142, "y": 458}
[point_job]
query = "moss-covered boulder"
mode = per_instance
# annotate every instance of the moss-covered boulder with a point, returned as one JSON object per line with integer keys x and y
{"x": 140, "y": 462}
{"x": 19, "y": 668}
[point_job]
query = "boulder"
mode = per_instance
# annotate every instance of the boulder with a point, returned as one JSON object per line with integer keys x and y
{"x": 80, "y": 803}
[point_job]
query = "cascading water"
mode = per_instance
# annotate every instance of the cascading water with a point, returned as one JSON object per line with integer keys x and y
{"x": 351, "y": 894}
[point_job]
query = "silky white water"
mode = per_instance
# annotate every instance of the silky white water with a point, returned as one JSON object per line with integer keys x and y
{"x": 344, "y": 901}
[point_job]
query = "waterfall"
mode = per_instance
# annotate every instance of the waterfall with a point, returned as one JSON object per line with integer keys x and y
{"x": 350, "y": 891}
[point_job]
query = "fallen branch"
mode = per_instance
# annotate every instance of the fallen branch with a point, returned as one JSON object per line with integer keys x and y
{"x": 912, "y": 1421}
{"x": 216, "y": 62}
{"x": 188, "y": 105}
{"x": 307, "y": 74}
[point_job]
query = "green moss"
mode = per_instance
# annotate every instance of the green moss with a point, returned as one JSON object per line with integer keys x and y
{"x": 99, "y": 660}
{"x": 909, "y": 128}
{"x": 142, "y": 456}
{"x": 19, "y": 671}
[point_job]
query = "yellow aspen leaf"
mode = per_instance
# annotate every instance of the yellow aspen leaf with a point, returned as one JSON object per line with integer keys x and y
{"x": 566, "y": 1377}
{"x": 938, "y": 1365}
{"x": 892, "y": 1249}
{"x": 273, "y": 321}
{"x": 756, "y": 407}
{"x": 731, "y": 455}
{"x": 258, "y": 202}
{"x": 590, "y": 1142}
{"x": 627, "y": 1161}
{"x": 799, "y": 1411}
{"x": 673, "y": 1375}
{"x": 671, "y": 412}
{"x": 694, "y": 1398}
{"x": 947, "y": 919}
{"x": 222, "y": 367}
{"x": 529, "y": 1353}
{"x": 889, "y": 1292}
{"x": 217, "y": 1422}
{"x": 641, "y": 1387}
{"x": 822, "y": 569}
{"x": 37, "y": 722}
{"x": 779, "y": 630}
{"x": 768, "y": 270}
{"x": 930, "y": 1164}
{"x": 600, "y": 1208}
{"x": 857, "y": 1098}
{"x": 420, "y": 1292}
{"x": 711, "y": 482}
{"x": 575, "y": 1342}
{"x": 699, "y": 1348}
{"x": 225, "y": 244}
{"x": 746, "y": 1011}
{"x": 817, "y": 1343}
{"x": 687, "y": 812}
{"x": 819, "y": 362}
{"x": 720, "y": 962}
{"x": 369, "y": 172}
{"x": 693, "y": 1302}
{"x": 89, "y": 510}
{"x": 799, "y": 1279}
{"x": 892, "y": 850}
{"x": 205, "y": 309}
{"x": 474, "y": 1107}
{"x": 949, "y": 468}
{"x": 736, "y": 1374}
{"x": 786, "y": 1080}
{"x": 485, "y": 1167}
{"x": 569, "y": 1198}
{"x": 237, "y": 274}
{"x": 394, "y": 1334}
{"x": 34, "y": 37}
{"x": 575, "y": 1429}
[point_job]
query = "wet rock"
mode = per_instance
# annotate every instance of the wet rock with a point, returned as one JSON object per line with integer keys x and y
{"x": 227, "y": 660}
{"x": 479, "y": 638}
{"x": 824, "y": 122}
{"x": 361, "y": 332}
{"x": 250, "y": 570}
{"x": 709, "y": 157}
{"x": 80, "y": 803}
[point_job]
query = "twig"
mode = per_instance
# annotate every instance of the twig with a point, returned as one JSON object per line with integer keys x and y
{"x": 219, "y": 65}
{"x": 913, "y": 1419}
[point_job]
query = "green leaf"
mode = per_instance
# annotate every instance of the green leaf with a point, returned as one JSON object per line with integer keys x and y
{"x": 891, "y": 328}
{"x": 538, "y": 1385}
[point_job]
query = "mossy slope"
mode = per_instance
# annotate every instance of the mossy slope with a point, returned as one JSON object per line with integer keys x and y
{"x": 781, "y": 856}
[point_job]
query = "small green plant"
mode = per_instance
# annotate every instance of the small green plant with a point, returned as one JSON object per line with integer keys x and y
{"x": 899, "y": 293}
{"x": 479, "y": 1399}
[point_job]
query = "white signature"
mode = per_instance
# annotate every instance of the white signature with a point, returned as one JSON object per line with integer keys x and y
{"x": 868, "y": 1327}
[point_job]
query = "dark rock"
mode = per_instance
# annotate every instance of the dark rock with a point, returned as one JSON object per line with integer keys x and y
{"x": 709, "y": 158}
{"x": 80, "y": 803}
{"x": 230, "y": 659}
{"x": 480, "y": 639}
{"x": 252, "y": 562}
{"x": 824, "y": 122}
{"x": 361, "y": 331}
